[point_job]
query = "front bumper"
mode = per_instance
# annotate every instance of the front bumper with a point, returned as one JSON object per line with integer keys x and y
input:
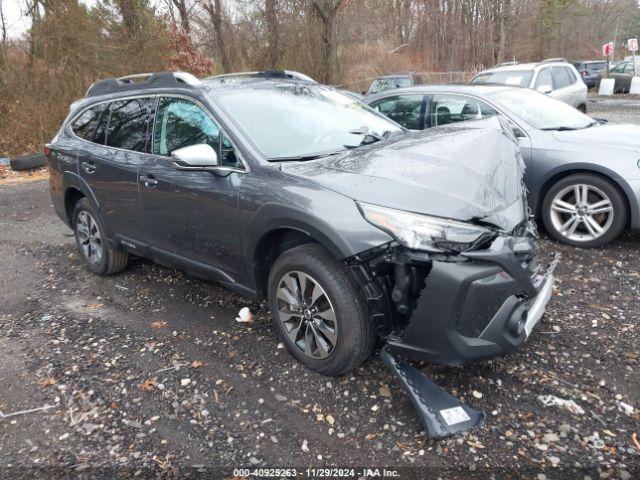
{"x": 480, "y": 308}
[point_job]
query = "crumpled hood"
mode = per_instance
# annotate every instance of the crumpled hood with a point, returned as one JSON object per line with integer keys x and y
{"x": 617, "y": 135}
{"x": 465, "y": 172}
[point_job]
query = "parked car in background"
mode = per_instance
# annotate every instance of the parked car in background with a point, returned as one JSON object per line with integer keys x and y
{"x": 589, "y": 71}
{"x": 583, "y": 175}
{"x": 555, "y": 77}
{"x": 283, "y": 189}
{"x": 393, "y": 81}
{"x": 622, "y": 73}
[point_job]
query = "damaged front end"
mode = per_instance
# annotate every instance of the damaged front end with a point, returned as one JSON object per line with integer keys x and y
{"x": 453, "y": 308}
{"x": 456, "y": 308}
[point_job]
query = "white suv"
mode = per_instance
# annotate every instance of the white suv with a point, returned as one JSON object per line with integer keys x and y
{"x": 556, "y": 77}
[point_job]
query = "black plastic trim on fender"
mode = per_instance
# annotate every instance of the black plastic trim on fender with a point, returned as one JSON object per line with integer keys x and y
{"x": 441, "y": 413}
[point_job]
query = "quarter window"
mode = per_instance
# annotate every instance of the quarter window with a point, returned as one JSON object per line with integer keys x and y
{"x": 128, "y": 124}
{"x": 407, "y": 110}
{"x": 180, "y": 123}
{"x": 85, "y": 125}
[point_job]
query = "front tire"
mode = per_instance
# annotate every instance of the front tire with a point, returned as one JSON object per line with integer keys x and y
{"x": 319, "y": 311}
{"x": 584, "y": 210}
{"x": 92, "y": 242}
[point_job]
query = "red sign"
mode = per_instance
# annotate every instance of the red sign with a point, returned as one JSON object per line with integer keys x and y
{"x": 607, "y": 49}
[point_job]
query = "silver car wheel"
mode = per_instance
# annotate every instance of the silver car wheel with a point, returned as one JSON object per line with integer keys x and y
{"x": 581, "y": 212}
{"x": 307, "y": 315}
{"x": 89, "y": 237}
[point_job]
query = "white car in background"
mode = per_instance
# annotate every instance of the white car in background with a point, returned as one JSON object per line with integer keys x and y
{"x": 555, "y": 77}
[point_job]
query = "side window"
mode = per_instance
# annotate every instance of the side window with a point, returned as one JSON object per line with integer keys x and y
{"x": 560, "y": 77}
{"x": 544, "y": 78}
{"x": 407, "y": 110}
{"x": 618, "y": 69}
{"x": 180, "y": 123}
{"x": 128, "y": 123}
{"x": 86, "y": 124}
{"x": 446, "y": 109}
{"x": 628, "y": 68}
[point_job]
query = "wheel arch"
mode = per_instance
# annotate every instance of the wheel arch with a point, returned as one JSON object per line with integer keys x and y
{"x": 558, "y": 174}
{"x": 274, "y": 242}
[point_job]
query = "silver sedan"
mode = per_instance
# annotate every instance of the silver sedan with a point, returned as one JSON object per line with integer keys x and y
{"x": 583, "y": 175}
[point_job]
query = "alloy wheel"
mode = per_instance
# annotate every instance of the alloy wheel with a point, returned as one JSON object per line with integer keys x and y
{"x": 581, "y": 212}
{"x": 89, "y": 237}
{"x": 307, "y": 315}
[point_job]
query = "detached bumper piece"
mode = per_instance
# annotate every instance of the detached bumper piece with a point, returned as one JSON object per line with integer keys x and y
{"x": 476, "y": 309}
{"x": 441, "y": 413}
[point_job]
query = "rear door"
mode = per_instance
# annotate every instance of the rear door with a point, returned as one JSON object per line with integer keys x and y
{"x": 191, "y": 216}
{"x": 562, "y": 83}
{"x": 109, "y": 165}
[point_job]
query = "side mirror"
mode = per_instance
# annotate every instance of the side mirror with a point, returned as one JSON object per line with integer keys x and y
{"x": 195, "y": 157}
{"x": 546, "y": 89}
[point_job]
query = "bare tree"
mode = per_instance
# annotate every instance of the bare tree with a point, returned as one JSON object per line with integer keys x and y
{"x": 214, "y": 9}
{"x": 130, "y": 11}
{"x": 184, "y": 12}
{"x": 327, "y": 10}
{"x": 273, "y": 43}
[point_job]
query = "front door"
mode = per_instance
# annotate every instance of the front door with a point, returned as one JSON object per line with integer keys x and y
{"x": 191, "y": 215}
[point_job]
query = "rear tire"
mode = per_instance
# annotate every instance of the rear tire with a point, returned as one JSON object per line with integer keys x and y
{"x": 308, "y": 288}
{"x": 588, "y": 223}
{"x": 92, "y": 242}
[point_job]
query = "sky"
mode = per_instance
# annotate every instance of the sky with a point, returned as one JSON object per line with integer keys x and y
{"x": 16, "y": 22}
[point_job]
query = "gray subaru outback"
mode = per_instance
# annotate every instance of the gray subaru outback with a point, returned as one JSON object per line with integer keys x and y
{"x": 352, "y": 227}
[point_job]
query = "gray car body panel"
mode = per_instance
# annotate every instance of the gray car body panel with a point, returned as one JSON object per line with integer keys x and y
{"x": 611, "y": 150}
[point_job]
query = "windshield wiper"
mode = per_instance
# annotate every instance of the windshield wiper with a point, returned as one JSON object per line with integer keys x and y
{"x": 303, "y": 158}
{"x": 560, "y": 129}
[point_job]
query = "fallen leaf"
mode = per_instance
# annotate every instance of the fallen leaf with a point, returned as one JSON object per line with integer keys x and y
{"x": 46, "y": 382}
{"x": 158, "y": 325}
{"x": 148, "y": 385}
{"x": 385, "y": 391}
{"x": 196, "y": 364}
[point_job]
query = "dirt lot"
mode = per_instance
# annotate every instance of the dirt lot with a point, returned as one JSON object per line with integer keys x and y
{"x": 147, "y": 373}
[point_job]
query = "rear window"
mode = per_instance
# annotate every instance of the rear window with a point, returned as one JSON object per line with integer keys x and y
{"x": 596, "y": 66}
{"x": 521, "y": 78}
{"x": 383, "y": 84}
{"x": 84, "y": 126}
{"x": 128, "y": 124}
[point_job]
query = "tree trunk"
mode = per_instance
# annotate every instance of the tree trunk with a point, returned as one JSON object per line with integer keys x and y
{"x": 271, "y": 18}
{"x": 130, "y": 11}
{"x": 183, "y": 13}
{"x": 215, "y": 13}
{"x": 326, "y": 10}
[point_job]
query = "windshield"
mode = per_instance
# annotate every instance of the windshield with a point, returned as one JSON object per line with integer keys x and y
{"x": 382, "y": 84}
{"x": 286, "y": 121}
{"x": 541, "y": 111}
{"x": 506, "y": 77}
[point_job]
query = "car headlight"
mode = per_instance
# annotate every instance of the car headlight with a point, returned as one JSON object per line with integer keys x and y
{"x": 422, "y": 232}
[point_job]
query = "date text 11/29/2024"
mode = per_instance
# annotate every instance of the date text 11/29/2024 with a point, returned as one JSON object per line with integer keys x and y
{"x": 316, "y": 473}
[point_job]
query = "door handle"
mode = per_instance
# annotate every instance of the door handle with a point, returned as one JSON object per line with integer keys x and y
{"x": 148, "y": 180}
{"x": 88, "y": 166}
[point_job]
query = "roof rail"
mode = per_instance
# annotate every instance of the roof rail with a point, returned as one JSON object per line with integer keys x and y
{"x": 506, "y": 64}
{"x": 137, "y": 82}
{"x": 276, "y": 74}
{"x": 559, "y": 59}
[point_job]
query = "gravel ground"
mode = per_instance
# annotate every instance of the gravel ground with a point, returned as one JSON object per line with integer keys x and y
{"x": 146, "y": 374}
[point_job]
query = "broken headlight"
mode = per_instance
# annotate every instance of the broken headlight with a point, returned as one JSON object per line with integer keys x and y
{"x": 422, "y": 232}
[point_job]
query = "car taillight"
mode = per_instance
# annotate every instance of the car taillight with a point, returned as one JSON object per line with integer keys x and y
{"x": 47, "y": 151}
